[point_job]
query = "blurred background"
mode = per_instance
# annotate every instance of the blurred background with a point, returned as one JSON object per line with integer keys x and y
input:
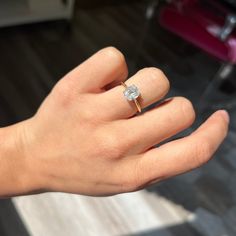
{"x": 192, "y": 41}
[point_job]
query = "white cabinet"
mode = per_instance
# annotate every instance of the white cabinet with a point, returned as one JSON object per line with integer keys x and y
{"x": 15, "y": 12}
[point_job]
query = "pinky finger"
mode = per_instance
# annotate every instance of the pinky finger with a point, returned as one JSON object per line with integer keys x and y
{"x": 179, "y": 156}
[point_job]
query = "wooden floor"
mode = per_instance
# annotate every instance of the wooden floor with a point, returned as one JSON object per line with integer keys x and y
{"x": 34, "y": 57}
{"x": 127, "y": 214}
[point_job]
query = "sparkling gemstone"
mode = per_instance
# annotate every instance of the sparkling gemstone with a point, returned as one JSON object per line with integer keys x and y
{"x": 131, "y": 93}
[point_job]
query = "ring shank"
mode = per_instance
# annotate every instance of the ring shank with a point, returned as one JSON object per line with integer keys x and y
{"x": 138, "y": 105}
{"x": 135, "y": 100}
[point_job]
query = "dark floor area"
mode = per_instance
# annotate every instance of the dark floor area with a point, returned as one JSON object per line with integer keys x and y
{"x": 34, "y": 57}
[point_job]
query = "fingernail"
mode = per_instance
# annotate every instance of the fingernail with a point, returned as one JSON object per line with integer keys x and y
{"x": 225, "y": 115}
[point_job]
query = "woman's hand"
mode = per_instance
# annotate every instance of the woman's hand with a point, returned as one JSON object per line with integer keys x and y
{"x": 85, "y": 138}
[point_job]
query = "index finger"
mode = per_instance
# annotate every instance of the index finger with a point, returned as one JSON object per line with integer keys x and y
{"x": 107, "y": 66}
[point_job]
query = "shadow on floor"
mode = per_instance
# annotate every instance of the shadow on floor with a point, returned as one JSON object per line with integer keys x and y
{"x": 176, "y": 230}
{"x": 10, "y": 222}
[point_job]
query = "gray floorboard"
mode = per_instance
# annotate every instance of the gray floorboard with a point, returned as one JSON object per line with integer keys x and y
{"x": 34, "y": 57}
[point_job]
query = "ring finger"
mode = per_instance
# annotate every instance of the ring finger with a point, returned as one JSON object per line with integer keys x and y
{"x": 152, "y": 84}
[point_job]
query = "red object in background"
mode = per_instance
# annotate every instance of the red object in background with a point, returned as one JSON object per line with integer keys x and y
{"x": 201, "y": 23}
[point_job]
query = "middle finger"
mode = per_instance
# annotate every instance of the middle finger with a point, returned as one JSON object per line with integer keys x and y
{"x": 143, "y": 132}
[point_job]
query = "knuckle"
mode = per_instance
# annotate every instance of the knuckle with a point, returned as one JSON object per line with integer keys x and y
{"x": 114, "y": 54}
{"x": 153, "y": 72}
{"x": 62, "y": 91}
{"x": 157, "y": 76}
{"x": 156, "y": 73}
{"x": 203, "y": 153}
{"x": 186, "y": 109}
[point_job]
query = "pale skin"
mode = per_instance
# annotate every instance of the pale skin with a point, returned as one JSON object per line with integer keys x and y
{"x": 87, "y": 139}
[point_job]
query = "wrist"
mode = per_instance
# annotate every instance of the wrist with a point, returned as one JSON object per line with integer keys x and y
{"x": 18, "y": 175}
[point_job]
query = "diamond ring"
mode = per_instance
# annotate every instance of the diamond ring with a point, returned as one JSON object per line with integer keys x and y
{"x": 132, "y": 93}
